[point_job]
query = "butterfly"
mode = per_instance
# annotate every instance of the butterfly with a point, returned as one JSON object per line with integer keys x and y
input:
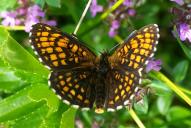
{"x": 82, "y": 79}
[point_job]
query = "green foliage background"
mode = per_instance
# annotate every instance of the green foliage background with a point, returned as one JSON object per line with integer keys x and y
{"x": 26, "y": 100}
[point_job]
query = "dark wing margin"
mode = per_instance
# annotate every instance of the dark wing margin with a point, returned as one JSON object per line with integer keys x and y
{"x": 59, "y": 50}
{"x": 73, "y": 87}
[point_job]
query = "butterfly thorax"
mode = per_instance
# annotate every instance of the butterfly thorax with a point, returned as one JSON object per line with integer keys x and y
{"x": 101, "y": 88}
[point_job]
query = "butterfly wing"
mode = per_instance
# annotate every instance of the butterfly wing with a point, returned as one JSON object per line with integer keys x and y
{"x": 70, "y": 61}
{"x": 134, "y": 53}
{"x": 127, "y": 63}
{"x": 122, "y": 86}
{"x": 59, "y": 50}
{"x": 74, "y": 87}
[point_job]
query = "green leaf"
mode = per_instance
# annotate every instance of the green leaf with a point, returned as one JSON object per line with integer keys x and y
{"x": 159, "y": 87}
{"x": 164, "y": 102}
{"x": 180, "y": 70}
{"x": 42, "y": 92}
{"x": 30, "y": 78}
{"x": 34, "y": 119}
{"x": 186, "y": 50}
{"x": 15, "y": 55}
{"x": 177, "y": 113}
{"x": 54, "y": 3}
{"x": 7, "y": 4}
{"x": 17, "y": 105}
{"x": 68, "y": 118}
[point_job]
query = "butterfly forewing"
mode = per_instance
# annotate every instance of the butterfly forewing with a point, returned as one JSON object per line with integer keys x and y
{"x": 59, "y": 50}
{"x": 137, "y": 49}
{"x": 74, "y": 87}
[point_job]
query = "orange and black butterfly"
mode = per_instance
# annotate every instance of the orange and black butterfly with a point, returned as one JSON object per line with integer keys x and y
{"x": 84, "y": 80}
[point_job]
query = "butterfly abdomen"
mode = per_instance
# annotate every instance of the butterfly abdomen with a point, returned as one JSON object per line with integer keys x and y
{"x": 101, "y": 83}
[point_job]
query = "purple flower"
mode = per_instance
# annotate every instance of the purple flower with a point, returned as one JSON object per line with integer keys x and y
{"x": 180, "y": 2}
{"x": 131, "y": 12}
{"x": 9, "y": 18}
{"x": 50, "y": 22}
{"x": 112, "y": 32}
{"x": 184, "y": 32}
{"x": 113, "y": 29}
{"x": 128, "y": 3}
{"x": 95, "y": 8}
{"x": 153, "y": 65}
{"x": 33, "y": 14}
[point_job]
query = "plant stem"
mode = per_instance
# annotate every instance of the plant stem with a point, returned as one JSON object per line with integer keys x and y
{"x": 115, "y": 6}
{"x": 13, "y": 27}
{"x": 136, "y": 118}
{"x": 82, "y": 17}
{"x": 170, "y": 84}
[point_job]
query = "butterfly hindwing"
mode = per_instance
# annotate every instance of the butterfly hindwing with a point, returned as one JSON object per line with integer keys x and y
{"x": 73, "y": 87}
{"x": 137, "y": 49}
{"x": 59, "y": 50}
{"x": 122, "y": 86}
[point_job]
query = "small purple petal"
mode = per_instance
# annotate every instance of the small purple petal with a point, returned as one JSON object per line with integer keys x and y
{"x": 50, "y": 22}
{"x": 184, "y": 32}
{"x": 112, "y": 32}
{"x": 8, "y": 18}
{"x": 21, "y": 11}
{"x": 131, "y": 12}
{"x": 95, "y": 8}
{"x": 115, "y": 24}
{"x": 153, "y": 65}
{"x": 180, "y": 2}
{"x": 128, "y": 3}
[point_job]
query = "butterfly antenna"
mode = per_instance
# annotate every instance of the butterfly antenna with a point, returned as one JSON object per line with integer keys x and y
{"x": 114, "y": 47}
{"x": 82, "y": 17}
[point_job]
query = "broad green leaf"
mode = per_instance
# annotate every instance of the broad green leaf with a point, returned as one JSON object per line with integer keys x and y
{"x": 186, "y": 50}
{"x": 35, "y": 119}
{"x": 180, "y": 70}
{"x": 54, "y": 3}
{"x": 142, "y": 106}
{"x": 178, "y": 113}
{"x": 68, "y": 118}
{"x": 42, "y": 92}
{"x": 164, "y": 102}
{"x": 7, "y": 4}
{"x": 30, "y": 78}
{"x": 15, "y": 55}
{"x": 17, "y": 105}
{"x": 9, "y": 82}
{"x": 53, "y": 121}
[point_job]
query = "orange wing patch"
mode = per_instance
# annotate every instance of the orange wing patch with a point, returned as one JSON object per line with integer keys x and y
{"x": 68, "y": 85}
{"x": 58, "y": 50}
{"x": 137, "y": 49}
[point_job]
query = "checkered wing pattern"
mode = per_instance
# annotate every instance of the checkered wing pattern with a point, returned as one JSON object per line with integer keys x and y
{"x": 134, "y": 53}
{"x": 74, "y": 87}
{"x": 59, "y": 50}
{"x": 127, "y": 62}
{"x": 122, "y": 85}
